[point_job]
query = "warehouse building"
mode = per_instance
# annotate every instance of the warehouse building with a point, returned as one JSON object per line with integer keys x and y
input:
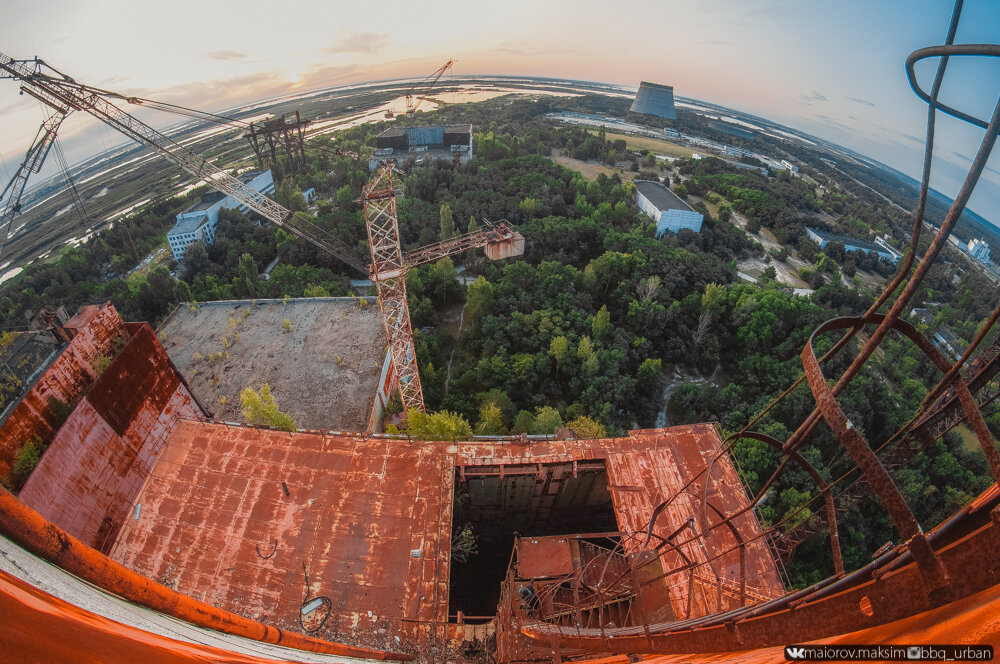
{"x": 880, "y": 246}
{"x": 655, "y": 99}
{"x": 424, "y": 144}
{"x": 198, "y": 222}
{"x": 664, "y": 207}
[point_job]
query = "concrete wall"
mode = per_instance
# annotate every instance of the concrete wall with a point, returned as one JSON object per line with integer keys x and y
{"x": 99, "y": 459}
{"x": 674, "y": 220}
{"x": 68, "y": 379}
{"x": 387, "y": 386}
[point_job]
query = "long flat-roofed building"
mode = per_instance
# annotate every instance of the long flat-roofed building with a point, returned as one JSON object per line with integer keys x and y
{"x": 880, "y": 246}
{"x": 198, "y": 222}
{"x": 664, "y": 207}
{"x": 451, "y": 142}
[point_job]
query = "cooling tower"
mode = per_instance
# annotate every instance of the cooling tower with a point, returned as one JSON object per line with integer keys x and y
{"x": 655, "y": 99}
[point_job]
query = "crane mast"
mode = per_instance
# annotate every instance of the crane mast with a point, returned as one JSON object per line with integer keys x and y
{"x": 32, "y": 163}
{"x": 411, "y": 106}
{"x": 388, "y": 264}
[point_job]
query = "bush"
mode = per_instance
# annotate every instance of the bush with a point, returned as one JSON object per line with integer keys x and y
{"x": 585, "y": 427}
{"x": 260, "y": 408}
{"x": 26, "y": 460}
{"x": 101, "y": 363}
{"x": 443, "y": 425}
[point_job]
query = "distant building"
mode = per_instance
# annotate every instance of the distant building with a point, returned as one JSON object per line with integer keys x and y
{"x": 732, "y": 130}
{"x": 980, "y": 250}
{"x": 880, "y": 246}
{"x": 790, "y": 166}
{"x": 671, "y": 133}
{"x": 425, "y": 144}
{"x": 310, "y": 195}
{"x": 655, "y": 99}
{"x": 198, "y": 222}
{"x": 664, "y": 207}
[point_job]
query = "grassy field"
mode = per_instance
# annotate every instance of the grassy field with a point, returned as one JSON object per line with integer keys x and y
{"x": 969, "y": 441}
{"x": 654, "y": 145}
{"x": 589, "y": 170}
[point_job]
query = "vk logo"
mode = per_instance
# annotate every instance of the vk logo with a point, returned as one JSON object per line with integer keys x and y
{"x": 795, "y": 653}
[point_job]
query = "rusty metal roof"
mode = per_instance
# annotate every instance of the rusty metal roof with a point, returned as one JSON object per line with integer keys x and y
{"x": 367, "y": 519}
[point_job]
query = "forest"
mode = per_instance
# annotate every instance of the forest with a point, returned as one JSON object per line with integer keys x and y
{"x": 589, "y": 325}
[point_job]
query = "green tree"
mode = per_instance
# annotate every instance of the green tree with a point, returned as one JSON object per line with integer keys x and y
{"x": 650, "y": 371}
{"x": 585, "y": 427}
{"x": 547, "y": 420}
{"x": 601, "y": 323}
{"x": 490, "y": 421}
{"x": 447, "y": 223}
{"x": 479, "y": 299}
{"x": 260, "y": 408}
{"x": 463, "y": 544}
{"x": 585, "y": 350}
{"x": 558, "y": 349}
{"x": 316, "y": 290}
{"x": 247, "y": 276}
{"x": 345, "y": 197}
{"x": 443, "y": 425}
{"x": 524, "y": 422}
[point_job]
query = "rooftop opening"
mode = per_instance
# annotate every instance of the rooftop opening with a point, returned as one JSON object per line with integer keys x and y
{"x": 492, "y": 503}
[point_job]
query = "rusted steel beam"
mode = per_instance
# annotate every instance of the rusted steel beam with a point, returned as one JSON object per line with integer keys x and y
{"x": 891, "y": 597}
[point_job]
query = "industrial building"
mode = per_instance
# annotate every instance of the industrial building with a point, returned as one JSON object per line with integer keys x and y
{"x": 880, "y": 246}
{"x": 731, "y": 129}
{"x": 980, "y": 250}
{"x": 655, "y": 99}
{"x": 199, "y": 221}
{"x": 258, "y": 522}
{"x": 424, "y": 144}
{"x": 670, "y": 213}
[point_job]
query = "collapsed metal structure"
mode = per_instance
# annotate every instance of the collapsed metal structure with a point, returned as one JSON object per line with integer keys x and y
{"x": 279, "y": 136}
{"x": 603, "y": 596}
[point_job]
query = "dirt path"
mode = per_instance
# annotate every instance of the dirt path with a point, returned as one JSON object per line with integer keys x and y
{"x": 461, "y": 322}
{"x": 673, "y": 382}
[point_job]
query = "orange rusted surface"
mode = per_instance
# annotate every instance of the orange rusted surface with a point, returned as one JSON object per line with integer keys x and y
{"x": 974, "y": 620}
{"x": 98, "y": 460}
{"x": 356, "y": 510}
{"x": 214, "y": 508}
{"x": 67, "y": 380}
{"x": 41, "y": 628}
{"x": 664, "y": 471}
{"x": 34, "y": 533}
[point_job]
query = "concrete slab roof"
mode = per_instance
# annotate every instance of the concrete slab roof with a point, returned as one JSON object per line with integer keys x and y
{"x": 188, "y": 225}
{"x": 324, "y": 370}
{"x": 661, "y": 196}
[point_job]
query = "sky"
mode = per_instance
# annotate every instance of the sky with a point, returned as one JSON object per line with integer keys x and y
{"x": 831, "y": 69}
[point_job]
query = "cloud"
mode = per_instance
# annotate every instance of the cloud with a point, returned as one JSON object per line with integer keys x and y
{"x": 526, "y": 48}
{"x": 226, "y": 55}
{"x": 368, "y": 43}
{"x": 815, "y": 96}
{"x": 862, "y": 101}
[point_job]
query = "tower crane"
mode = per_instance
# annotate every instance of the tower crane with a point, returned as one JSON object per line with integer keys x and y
{"x": 32, "y": 163}
{"x": 431, "y": 81}
{"x": 388, "y": 264}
